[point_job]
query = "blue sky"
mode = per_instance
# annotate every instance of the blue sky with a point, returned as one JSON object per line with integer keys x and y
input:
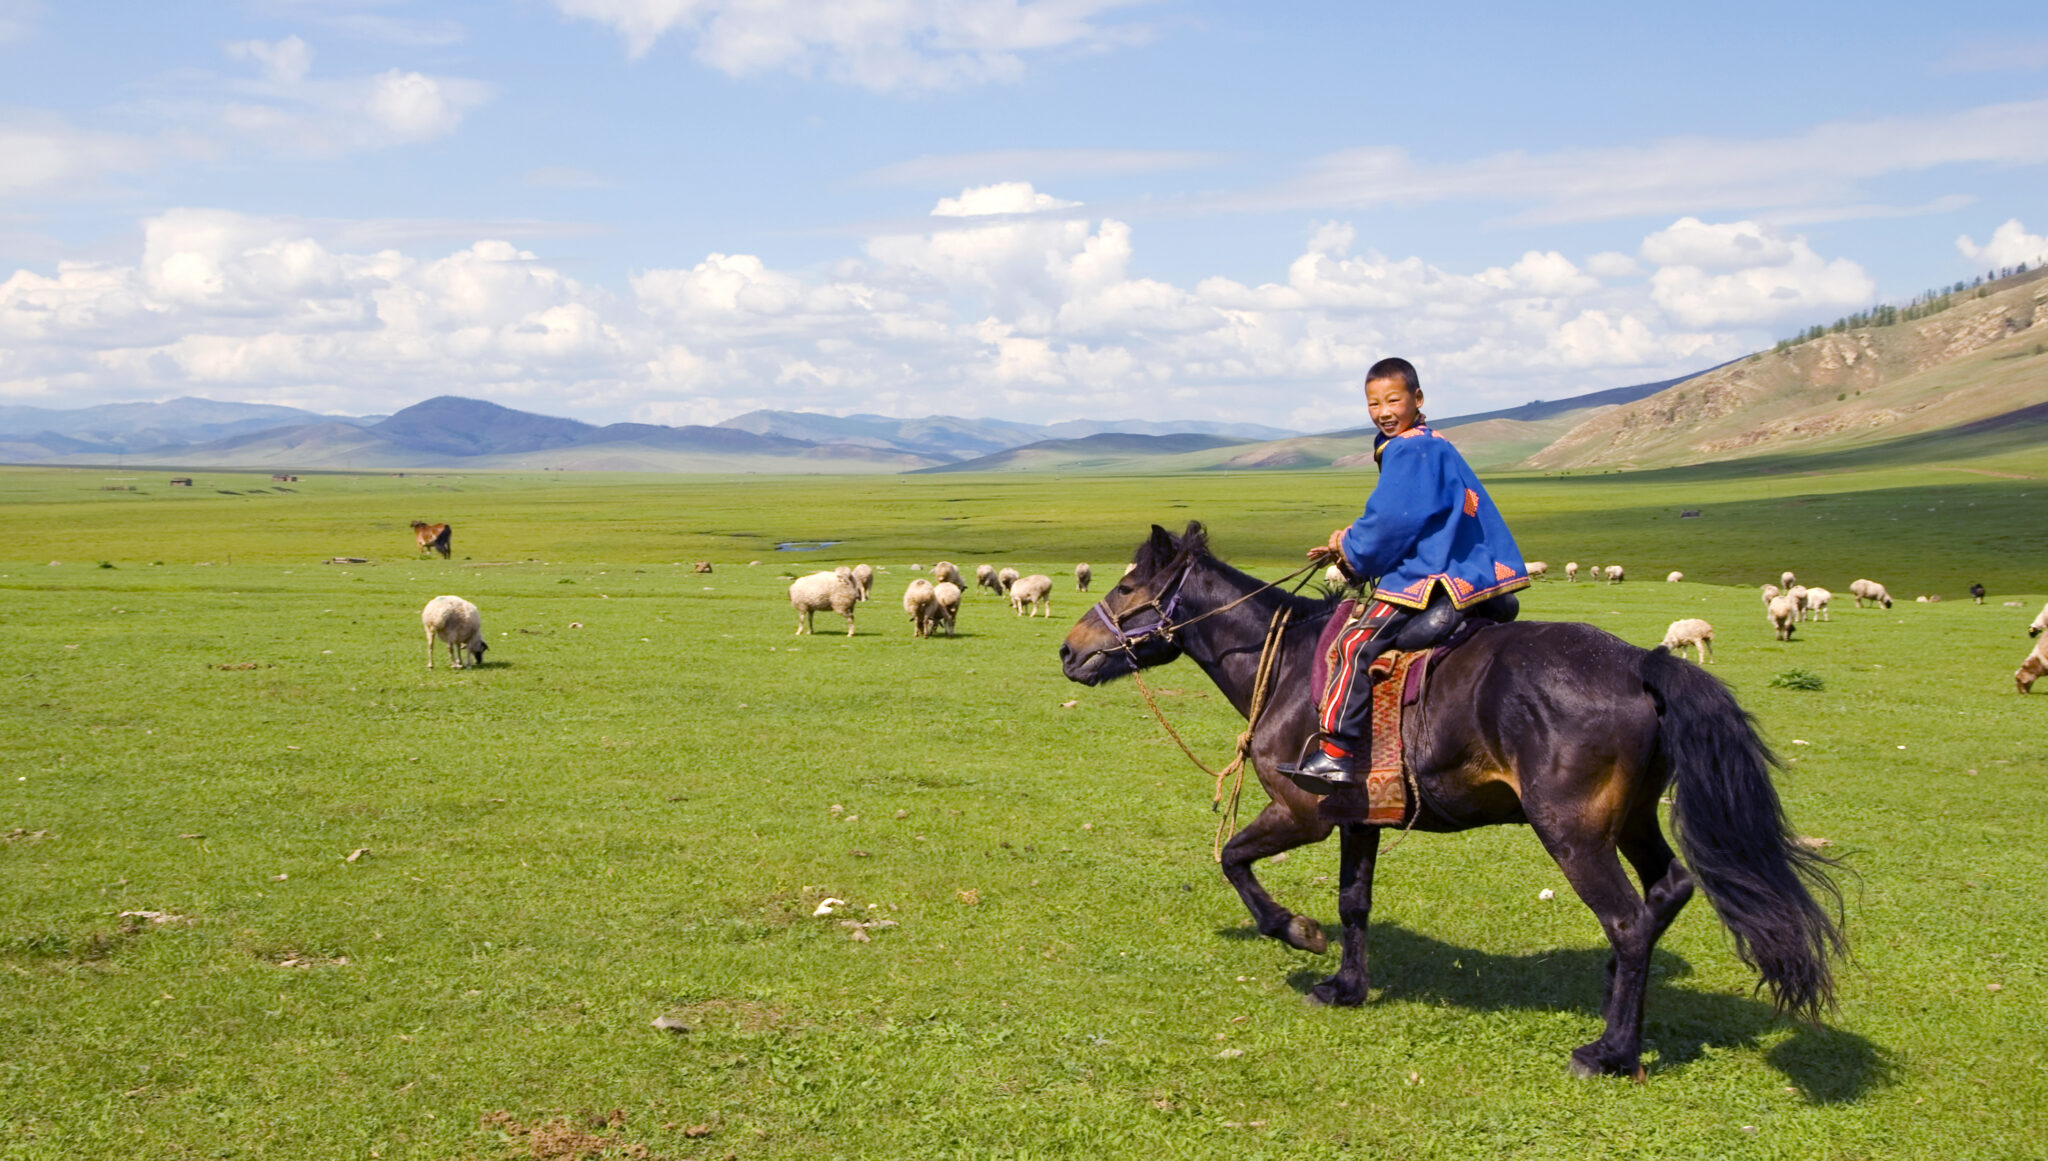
{"x": 679, "y": 210}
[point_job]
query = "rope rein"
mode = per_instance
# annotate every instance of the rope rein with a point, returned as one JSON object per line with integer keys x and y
{"x": 1269, "y": 656}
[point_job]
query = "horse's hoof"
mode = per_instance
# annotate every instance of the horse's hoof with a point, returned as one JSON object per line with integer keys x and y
{"x": 1306, "y": 934}
{"x": 1587, "y": 1061}
{"x": 1332, "y": 993}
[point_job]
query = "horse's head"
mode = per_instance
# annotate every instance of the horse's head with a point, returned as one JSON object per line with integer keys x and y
{"x": 1130, "y": 628}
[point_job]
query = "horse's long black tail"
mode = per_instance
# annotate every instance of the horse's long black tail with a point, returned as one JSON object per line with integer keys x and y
{"x": 1735, "y": 838}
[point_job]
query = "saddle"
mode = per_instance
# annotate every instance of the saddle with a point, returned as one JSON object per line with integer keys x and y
{"x": 1399, "y": 678}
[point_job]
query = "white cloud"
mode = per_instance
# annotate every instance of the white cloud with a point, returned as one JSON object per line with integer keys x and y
{"x": 1006, "y": 302}
{"x": 1743, "y": 274}
{"x": 2009, "y": 245}
{"x": 40, "y": 152}
{"x": 284, "y": 62}
{"x": 884, "y": 45}
{"x": 1679, "y": 175}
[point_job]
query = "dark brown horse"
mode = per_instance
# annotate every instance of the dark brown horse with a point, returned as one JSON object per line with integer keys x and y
{"x": 438, "y": 537}
{"x": 1561, "y": 726}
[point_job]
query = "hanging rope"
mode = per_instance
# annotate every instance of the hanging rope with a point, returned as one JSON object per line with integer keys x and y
{"x": 1269, "y": 658}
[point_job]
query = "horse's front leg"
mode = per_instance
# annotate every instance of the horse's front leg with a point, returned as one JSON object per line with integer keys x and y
{"x": 1277, "y": 828}
{"x": 1361, "y": 852}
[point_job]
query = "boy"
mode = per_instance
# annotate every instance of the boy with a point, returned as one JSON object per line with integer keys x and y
{"x": 1435, "y": 547}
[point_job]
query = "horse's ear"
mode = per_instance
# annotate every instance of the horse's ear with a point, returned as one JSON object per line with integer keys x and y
{"x": 1163, "y": 544}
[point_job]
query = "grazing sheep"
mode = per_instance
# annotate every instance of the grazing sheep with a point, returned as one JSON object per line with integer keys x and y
{"x": 1614, "y": 574}
{"x": 1784, "y": 616}
{"x": 1798, "y": 593}
{"x": 985, "y": 578}
{"x": 1691, "y": 631}
{"x": 822, "y": 590}
{"x": 2034, "y": 666}
{"x": 1770, "y": 593}
{"x": 701, "y": 566}
{"x": 1977, "y": 592}
{"x": 457, "y": 622}
{"x": 1538, "y": 568}
{"x": 1082, "y": 575}
{"x": 844, "y": 572}
{"x": 863, "y": 580}
{"x": 2040, "y": 624}
{"x": 1927, "y": 598}
{"x": 917, "y": 568}
{"x": 946, "y": 570}
{"x": 1675, "y": 577}
{"x": 1788, "y": 580}
{"x": 921, "y": 601}
{"x": 1034, "y": 590}
{"x": 1817, "y": 604}
{"x": 1869, "y": 590}
{"x": 946, "y": 596}
{"x": 1571, "y": 571}
{"x": 1334, "y": 577}
{"x": 1008, "y": 577}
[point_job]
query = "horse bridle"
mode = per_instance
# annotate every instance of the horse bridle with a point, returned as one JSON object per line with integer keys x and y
{"x": 1163, "y": 628}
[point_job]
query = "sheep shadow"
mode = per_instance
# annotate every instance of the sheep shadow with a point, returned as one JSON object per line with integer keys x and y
{"x": 1828, "y": 1065}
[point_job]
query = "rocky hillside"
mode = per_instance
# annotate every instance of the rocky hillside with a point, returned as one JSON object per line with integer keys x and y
{"x": 1980, "y": 359}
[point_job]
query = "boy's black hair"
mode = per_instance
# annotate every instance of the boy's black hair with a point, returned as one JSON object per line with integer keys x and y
{"x": 1400, "y": 369}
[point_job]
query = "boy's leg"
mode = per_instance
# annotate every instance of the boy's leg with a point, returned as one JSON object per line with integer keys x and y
{"x": 1339, "y": 754}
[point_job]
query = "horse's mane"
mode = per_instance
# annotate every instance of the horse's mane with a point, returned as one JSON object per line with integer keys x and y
{"x": 1153, "y": 558}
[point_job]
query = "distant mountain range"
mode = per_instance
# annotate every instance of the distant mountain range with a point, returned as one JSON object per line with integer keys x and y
{"x": 1971, "y": 376}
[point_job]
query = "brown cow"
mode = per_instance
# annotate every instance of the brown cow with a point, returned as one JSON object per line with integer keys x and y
{"x": 434, "y": 536}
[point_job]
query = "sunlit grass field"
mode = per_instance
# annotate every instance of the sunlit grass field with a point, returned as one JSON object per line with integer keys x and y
{"x": 378, "y": 911}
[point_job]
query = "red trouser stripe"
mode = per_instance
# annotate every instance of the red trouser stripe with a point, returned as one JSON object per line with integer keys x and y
{"x": 1347, "y": 655}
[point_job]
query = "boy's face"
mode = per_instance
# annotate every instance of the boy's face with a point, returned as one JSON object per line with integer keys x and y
{"x": 1393, "y": 407}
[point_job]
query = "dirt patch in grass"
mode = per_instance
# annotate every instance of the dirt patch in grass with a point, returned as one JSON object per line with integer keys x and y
{"x": 584, "y": 1136}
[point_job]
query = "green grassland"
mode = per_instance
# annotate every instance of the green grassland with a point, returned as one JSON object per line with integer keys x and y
{"x": 635, "y": 806}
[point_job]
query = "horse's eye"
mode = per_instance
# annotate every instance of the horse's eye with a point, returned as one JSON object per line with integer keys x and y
{"x": 1125, "y": 589}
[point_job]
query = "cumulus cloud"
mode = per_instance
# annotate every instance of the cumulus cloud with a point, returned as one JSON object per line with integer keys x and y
{"x": 2009, "y": 245}
{"x": 1007, "y": 301}
{"x": 883, "y": 45}
{"x": 284, "y": 62}
{"x": 1818, "y": 167}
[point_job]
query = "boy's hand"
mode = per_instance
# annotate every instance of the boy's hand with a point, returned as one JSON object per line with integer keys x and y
{"x": 1333, "y": 548}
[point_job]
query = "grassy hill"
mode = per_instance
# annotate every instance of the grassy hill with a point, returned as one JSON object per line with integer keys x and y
{"x": 1977, "y": 367}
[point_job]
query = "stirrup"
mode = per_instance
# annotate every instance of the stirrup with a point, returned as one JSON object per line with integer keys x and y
{"x": 1319, "y": 771}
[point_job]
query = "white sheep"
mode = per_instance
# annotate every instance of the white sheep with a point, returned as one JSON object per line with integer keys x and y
{"x": 1817, "y": 604}
{"x": 1538, "y": 568}
{"x": 921, "y": 601}
{"x": 946, "y": 570}
{"x": 845, "y": 573}
{"x": 1770, "y": 593}
{"x": 2034, "y": 666}
{"x": 1614, "y": 574}
{"x": 863, "y": 580}
{"x": 822, "y": 590}
{"x": 946, "y": 598}
{"x": 2040, "y": 624}
{"x": 1798, "y": 593}
{"x": 1691, "y": 631}
{"x": 1082, "y": 575}
{"x": 1034, "y": 590}
{"x": 1784, "y": 615}
{"x": 1334, "y": 577}
{"x": 1675, "y": 577}
{"x": 985, "y": 578}
{"x": 1869, "y": 590}
{"x": 457, "y": 622}
{"x": 1006, "y": 578}
{"x": 1788, "y": 580}
{"x": 1571, "y": 571}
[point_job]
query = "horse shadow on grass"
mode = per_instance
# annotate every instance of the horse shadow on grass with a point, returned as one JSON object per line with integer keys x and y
{"x": 1828, "y": 1065}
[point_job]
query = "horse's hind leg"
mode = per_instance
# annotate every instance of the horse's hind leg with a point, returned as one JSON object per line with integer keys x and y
{"x": 1361, "y": 845}
{"x": 1667, "y": 885}
{"x": 1276, "y": 829}
{"x": 1588, "y": 861}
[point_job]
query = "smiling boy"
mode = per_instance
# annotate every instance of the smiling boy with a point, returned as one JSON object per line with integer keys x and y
{"x": 1435, "y": 547}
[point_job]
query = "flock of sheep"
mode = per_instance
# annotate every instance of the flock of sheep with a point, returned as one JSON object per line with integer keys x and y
{"x": 930, "y": 603}
{"x": 934, "y": 604}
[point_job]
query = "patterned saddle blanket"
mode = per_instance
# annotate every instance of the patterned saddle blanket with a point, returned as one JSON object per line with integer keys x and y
{"x": 1398, "y": 680}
